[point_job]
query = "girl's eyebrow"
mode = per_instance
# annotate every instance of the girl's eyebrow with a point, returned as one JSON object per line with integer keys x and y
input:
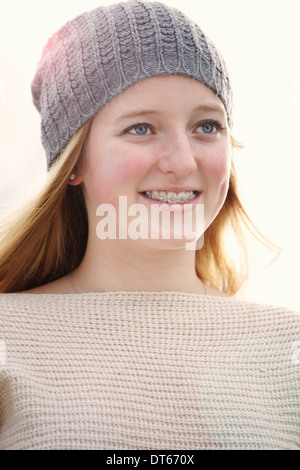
{"x": 213, "y": 107}
{"x": 136, "y": 113}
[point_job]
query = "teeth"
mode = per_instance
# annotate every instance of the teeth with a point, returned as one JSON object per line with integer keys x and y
{"x": 170, "y": 197}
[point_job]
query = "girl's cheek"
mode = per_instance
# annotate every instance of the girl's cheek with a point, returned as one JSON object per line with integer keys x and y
{"x": 117, "y": 174}
{"x": 218, "y": 165}
{"x": 122, "y": 169}
{"x": 217, "y": 172}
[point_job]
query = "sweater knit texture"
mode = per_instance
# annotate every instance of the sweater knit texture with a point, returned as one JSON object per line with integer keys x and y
{"x": 147, "y": 370}
{"x": 100, "y": 53}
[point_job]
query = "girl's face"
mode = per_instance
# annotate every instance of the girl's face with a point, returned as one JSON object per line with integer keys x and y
{"x": 166, "y": 134}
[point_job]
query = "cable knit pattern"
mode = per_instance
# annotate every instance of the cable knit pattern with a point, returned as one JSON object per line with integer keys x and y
{"x": 100, "y": 53}
{"x": 147, "y": 370}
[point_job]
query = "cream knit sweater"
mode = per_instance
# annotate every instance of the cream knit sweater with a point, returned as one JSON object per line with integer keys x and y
{"x": 147, "y": 370}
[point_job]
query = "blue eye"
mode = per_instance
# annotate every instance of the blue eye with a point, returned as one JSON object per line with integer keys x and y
{"x": 138, "y": 129}
{"x": 141, "y": 130}
{"x": 210, "y": 127}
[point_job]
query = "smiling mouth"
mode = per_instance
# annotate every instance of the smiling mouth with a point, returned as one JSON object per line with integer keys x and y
{"x": 170, "y": 197}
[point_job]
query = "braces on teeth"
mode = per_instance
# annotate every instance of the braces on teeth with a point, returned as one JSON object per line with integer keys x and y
{"x": 175, "y": 199}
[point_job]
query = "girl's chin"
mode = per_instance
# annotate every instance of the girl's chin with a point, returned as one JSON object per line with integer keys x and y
{"x": 169, "y": 244}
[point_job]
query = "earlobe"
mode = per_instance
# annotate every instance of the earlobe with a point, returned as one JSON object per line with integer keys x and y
{"x": 75, "y": 179}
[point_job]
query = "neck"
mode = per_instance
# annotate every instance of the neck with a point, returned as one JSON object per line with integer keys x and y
{"x": 116, "y": 266}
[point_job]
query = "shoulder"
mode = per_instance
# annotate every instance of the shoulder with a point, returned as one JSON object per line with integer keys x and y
{"x": 276, "y": 323}
{"x": 241, "y": 316}
{"x": 256, "y": 310}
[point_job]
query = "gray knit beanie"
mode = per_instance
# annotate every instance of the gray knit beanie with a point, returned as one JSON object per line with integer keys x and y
{"x": 100, "y": 53}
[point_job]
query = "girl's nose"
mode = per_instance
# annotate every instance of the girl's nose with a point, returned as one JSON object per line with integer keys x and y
{"x": 176, "y": 155}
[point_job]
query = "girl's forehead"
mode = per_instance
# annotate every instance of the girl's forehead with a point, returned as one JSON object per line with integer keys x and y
{"x": 162, "y": 93}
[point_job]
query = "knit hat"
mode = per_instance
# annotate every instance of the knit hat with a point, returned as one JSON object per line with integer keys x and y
{"x": 100, "y": 53}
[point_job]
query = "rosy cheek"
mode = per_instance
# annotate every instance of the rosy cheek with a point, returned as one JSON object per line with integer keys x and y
{"x": 217, "y": 171}
{"x": 121, "y": 169}
{"x": 217, "y": 166}
{"x": 115, "y": 175}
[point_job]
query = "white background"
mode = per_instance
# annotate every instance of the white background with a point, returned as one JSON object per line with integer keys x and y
{"x": 260, "y": 40}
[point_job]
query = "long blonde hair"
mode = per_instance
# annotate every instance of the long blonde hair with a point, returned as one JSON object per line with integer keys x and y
{"x": 46, "y": 239}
